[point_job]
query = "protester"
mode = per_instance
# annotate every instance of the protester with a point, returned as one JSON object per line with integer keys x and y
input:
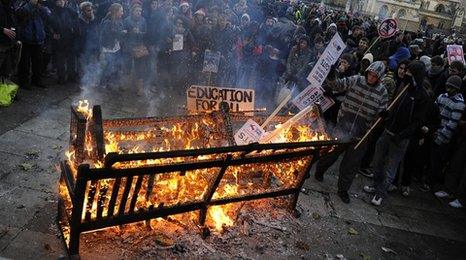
{"x": 354, "y": 118}
{"x": 451, "y": 105}
{"x": 399, "y": 129}
{"x": 64, "y": 25}
{"x": 31, "y": 21}
{"x": 271, "y": 47}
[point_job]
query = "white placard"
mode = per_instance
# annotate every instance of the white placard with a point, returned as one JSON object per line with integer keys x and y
{"x": 178, "y": 42}
{"x": 311, "y": 95}
{"x": 329, "y": 57}
{"x": 250, "y": 132}
{"x": 388, "y": 28}
{"x": 208, "y": 98}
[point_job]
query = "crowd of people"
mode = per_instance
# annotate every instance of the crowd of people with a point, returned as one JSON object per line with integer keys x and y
{"x": 268, "y": 46}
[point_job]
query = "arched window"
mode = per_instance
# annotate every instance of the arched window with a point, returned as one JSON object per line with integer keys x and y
{"x": 401, "y": 13}
{"x": 383, "y": 11}
{"x": 440, "y": 8}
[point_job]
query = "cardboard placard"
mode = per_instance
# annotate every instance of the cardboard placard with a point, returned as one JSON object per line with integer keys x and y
{"x": 208, "y": 98}
{"x": 250, "y": 132}
{"x": 328, "y": 58}
{"x": 455, "y": 52}
{"x": 310, "y": 96}
{"x": 388, "y": 28}
{"x": 211, "y": 61}
{"x": 178, "y": 42}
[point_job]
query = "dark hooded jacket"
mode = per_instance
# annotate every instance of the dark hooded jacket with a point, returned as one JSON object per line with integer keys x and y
{"x": 409, "y": 113}
{"x": 6, "y": 21}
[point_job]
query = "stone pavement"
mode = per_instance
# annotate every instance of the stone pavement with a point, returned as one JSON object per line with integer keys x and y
{"x": 34, "y": 133}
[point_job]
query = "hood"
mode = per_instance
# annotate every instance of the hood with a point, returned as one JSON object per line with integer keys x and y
{"x": 368, "y": 57}
{"x": 401, "y": 54}
{"x": 378, "y": 68}
{"x": 426, "y": 60}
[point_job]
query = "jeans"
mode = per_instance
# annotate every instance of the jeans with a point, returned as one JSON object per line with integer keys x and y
{"x": 439, "y": 156}
{"x": 387, "y": 158}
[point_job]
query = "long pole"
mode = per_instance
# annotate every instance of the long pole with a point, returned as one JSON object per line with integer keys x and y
{"x": 372, "y": 45}
{"x": 274, "y": 113}
{"x": 380, "y": 119}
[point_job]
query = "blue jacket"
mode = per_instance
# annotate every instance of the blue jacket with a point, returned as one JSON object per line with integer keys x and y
{"x": 32, "y": 21}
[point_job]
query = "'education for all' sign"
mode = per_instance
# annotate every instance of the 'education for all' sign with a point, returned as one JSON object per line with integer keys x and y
{"x": 208, "y": 98}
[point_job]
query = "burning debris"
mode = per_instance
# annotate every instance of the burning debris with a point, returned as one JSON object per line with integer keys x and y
{"x": 185, "y": 170}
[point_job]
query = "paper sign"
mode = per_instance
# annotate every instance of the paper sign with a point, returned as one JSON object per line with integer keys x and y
{"x": 208, "y": 98}
{"x": 388, "y": 28}
{"x": 211, "y": 61}
{"x": 178, "y": 42}
{"x": 250, "y": 132}
{"x": 312, "y": 95}
{"x": 329, "y": 57}
{"x": 455, "y": 52}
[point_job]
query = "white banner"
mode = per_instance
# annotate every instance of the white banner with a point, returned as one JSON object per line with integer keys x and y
{"x": 310, "y": 96}
{"x": 313, "y": 93}
{"x": 250, "y": 132}
{"x": 330, "y": 56}
{"x": 208, "y": 98}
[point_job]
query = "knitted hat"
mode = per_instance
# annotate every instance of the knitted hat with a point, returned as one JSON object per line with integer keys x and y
{"x": 426, "y": 60}
{"x": 369, "y": 57}
{"x": 378, "y": 68}
{"x": 200, "y": 12}
{"x": 454, "y": 82}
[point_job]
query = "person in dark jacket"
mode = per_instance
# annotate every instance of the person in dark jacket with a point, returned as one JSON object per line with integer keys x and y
{"x": 111, "y": 34}
{"x": 433, "y": 75}
{"x": 32, "y": 18}
{"x": 404, "y": 119}
{"x": 88, "y": 37}
{"x": 417, "y": 154}
{"x": 64, "y": 25}
{"x": 7, "y": 37}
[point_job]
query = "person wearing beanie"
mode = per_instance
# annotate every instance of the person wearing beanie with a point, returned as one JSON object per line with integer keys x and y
{"x": 455, "y": 68}
{"x": 451, "y": 106}
{"x": 426, "y": 60}
{"x": 355, "y": 116}
{"x": 401, "y": 124}
{"x": 365, "y": 62}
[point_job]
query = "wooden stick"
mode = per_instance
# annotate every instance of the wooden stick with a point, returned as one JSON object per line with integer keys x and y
{"x": 268, "y": 138}
{"x": 275, "y": 112}
{"x": 380, "y": 119}
{"x": 372, "y": 45}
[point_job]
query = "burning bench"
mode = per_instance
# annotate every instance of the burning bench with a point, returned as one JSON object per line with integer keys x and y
{"x": 115, "y": 176}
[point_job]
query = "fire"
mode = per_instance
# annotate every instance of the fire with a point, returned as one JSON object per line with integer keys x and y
{"x": 219, "y": 217}
{"x": 174, "y": 188}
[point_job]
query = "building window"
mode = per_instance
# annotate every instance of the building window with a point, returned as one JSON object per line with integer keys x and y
{"x": 441, "y": 25}
{"x": 440, "y": 8}
{"x": 401, "y": 13}
{"x": 383, "y": 11}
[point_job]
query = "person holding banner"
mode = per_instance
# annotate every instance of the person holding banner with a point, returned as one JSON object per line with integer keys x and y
{"x": 365, "y": 98}
{"x": 403, "y": 121}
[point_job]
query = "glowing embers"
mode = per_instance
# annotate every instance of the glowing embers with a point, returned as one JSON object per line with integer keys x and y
{"x": 181, "y": 169}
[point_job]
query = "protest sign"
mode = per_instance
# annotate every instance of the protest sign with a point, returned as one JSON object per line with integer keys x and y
{"x": 211, "y": 61}
{"x": 455, "y": 52}
{"x": 208, "y": 98}
{"x": 250, "y": 132}
{"x": 329, "y": 57}
{"x": 388, "y": 28}
{"x": 178, "y": 42}
{"x": 312, "y": 95}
